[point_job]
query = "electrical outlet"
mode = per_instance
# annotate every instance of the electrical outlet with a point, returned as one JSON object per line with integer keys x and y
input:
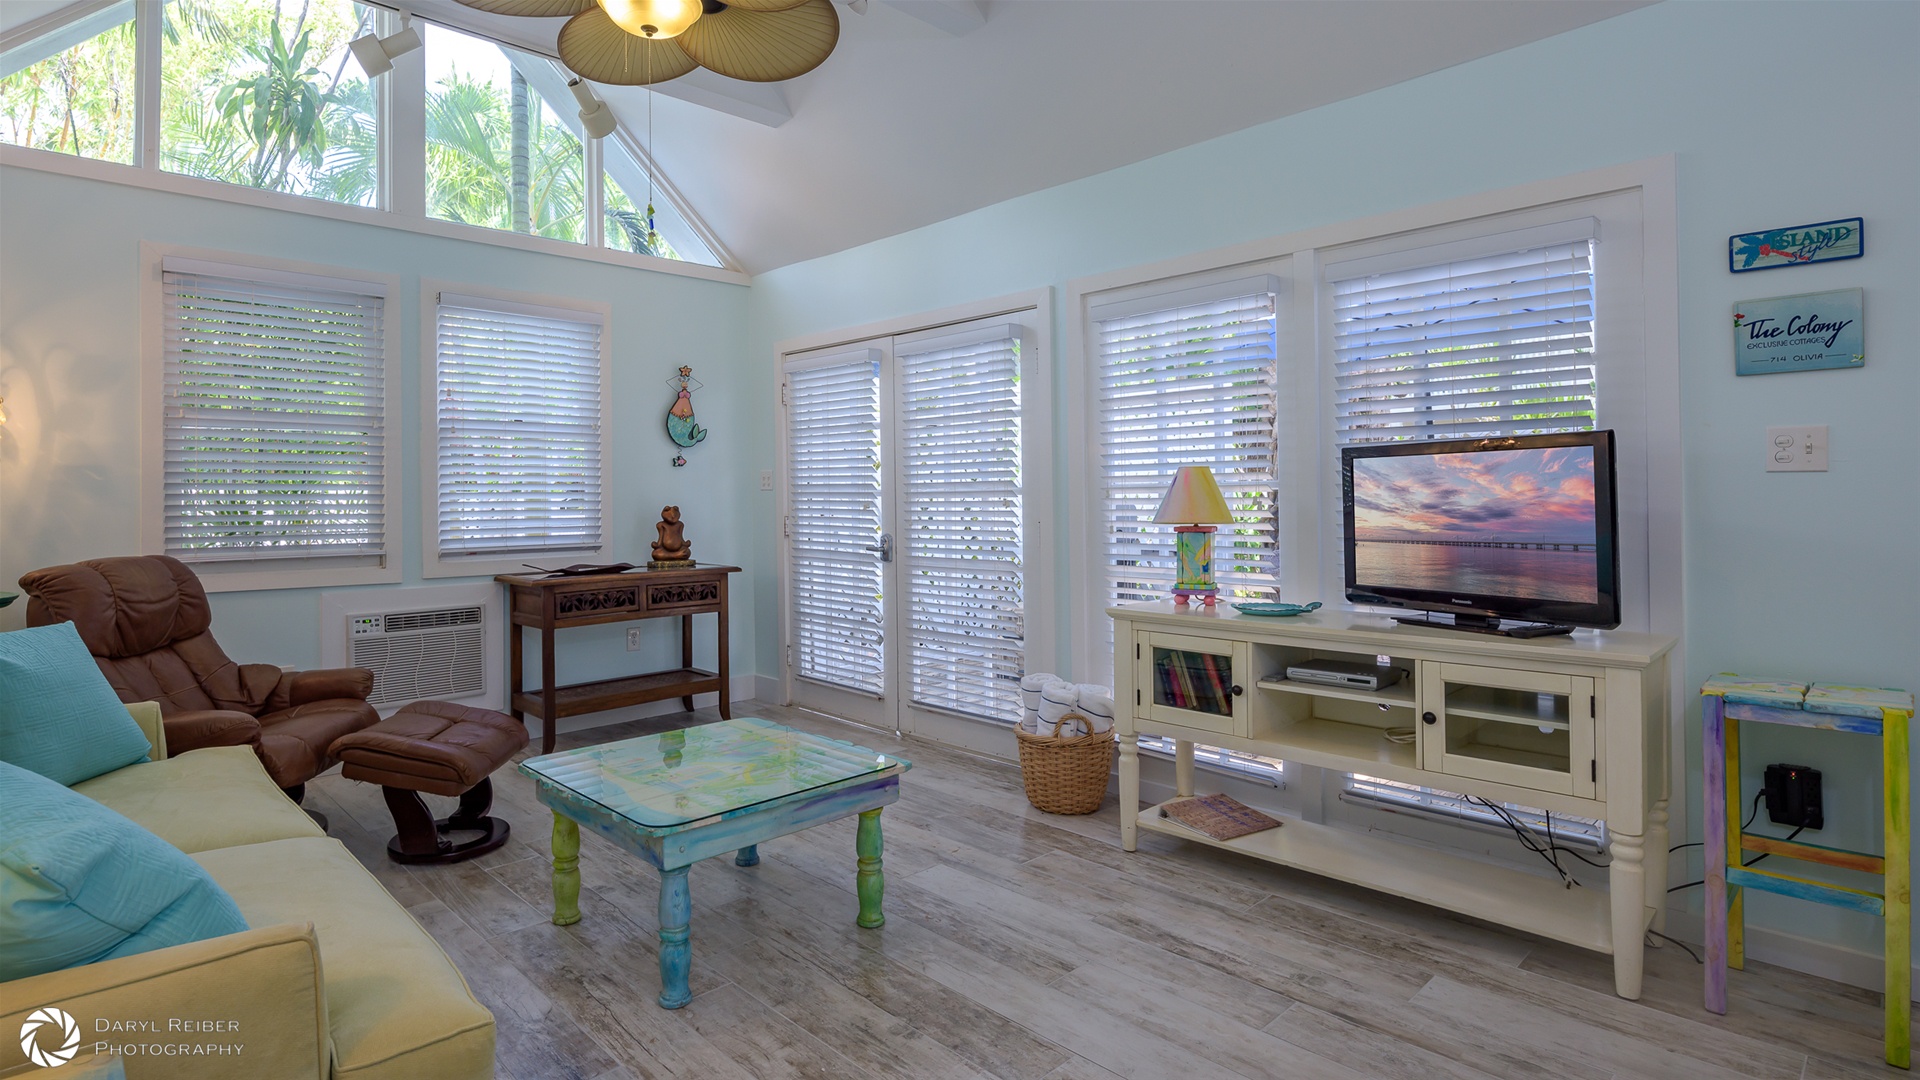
{"x": 1793, "y": 796}
{"x": 1797, "y": 449}
{"x": 633, "y": 638}
{"x": 766, "y": 480}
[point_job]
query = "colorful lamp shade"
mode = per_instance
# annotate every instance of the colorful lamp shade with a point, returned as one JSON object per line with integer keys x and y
{"x": 1194, "y": 505}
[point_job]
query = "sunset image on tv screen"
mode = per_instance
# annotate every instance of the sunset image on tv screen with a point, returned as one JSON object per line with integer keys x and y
{"x": 1493, "y": 523}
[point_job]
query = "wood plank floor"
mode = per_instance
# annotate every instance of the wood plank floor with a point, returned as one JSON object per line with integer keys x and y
{"x": 1022, "y": 945}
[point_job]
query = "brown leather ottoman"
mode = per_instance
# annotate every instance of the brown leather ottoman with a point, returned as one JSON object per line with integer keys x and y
{"x": 442, "y": 749}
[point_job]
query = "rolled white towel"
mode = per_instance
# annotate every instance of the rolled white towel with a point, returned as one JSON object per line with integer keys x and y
{"x": 1096, "y": 704}
{"x": 1057, "y": 700}
{"x": 1030, "y": 689}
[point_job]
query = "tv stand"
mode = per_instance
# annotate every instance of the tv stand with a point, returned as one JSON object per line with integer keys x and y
{"x": 1484, "y": 624}
{"x": 1572, "y": 726}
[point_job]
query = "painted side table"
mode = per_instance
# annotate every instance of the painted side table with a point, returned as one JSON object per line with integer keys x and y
{"x": 1728, "y": 700}
{"x": 678, "y": 797}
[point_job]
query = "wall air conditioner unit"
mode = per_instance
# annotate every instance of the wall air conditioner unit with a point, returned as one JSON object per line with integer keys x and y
{"x": 436, "y": 654}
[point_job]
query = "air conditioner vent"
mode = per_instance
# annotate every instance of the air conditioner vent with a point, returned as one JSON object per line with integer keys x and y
{"x": 417, "y": 655}
{"x": 430, "y": 620}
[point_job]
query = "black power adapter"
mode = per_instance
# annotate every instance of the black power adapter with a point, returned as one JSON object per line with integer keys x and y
{"x": 1793, "y": 796}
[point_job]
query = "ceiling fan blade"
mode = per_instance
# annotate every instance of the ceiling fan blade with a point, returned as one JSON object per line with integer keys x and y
{"x": 597, "y": 50}
{"x": 764, "y": 46}
{"x": 764, "y": 5}
{"x": 533, "y": 9}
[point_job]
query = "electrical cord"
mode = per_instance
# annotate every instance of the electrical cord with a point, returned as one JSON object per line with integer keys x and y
{"x": 1749, "y": 862}
{"x": 1682, "y": 944}
{"x": 1531, "y": 841}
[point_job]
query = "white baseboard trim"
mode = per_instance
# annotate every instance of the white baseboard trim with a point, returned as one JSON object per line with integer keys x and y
{"x": 744, "y": 687}
{"x": 767, "y": 688}
{"x": 1818, "y": 958}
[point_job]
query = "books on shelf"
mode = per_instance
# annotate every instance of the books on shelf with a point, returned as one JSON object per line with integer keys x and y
{"x": 1194, "y": 680}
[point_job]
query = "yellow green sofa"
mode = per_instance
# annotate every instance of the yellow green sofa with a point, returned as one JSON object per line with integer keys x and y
{"x": 333, "y": 980}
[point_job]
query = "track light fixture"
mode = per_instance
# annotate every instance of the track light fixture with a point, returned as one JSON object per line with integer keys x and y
{"x": 594, "y": 114}
{"x": 376, "y": 54}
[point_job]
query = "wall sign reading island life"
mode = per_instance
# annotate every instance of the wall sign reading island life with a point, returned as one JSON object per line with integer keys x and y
{"x": 1799, "y": 333}
{"x": 1823, "y": 241}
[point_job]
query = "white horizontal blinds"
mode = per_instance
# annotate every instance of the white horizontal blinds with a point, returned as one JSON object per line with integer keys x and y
{"x": 1487, "y": 346}
{"x": 274, "y": 421}
{"x": 518, "y": 414}
{"x": 833, "y": 425}
{"x": 965, "y": 615}
{"x": 1187, "y": 384}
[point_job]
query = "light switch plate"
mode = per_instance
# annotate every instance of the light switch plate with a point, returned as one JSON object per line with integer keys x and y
{"x": 1797, "y": 449}
{"x": 766, "y": 480}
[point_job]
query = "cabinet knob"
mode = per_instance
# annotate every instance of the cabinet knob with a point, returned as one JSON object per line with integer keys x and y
{"x": 1430, "y": 718}
{"x": 1237, "y": 691}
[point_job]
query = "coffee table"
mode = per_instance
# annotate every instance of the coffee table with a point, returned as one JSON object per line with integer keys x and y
{"x": 682, "y": 796}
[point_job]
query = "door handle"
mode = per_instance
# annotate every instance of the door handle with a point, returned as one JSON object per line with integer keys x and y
{"x": 884, "y": 547}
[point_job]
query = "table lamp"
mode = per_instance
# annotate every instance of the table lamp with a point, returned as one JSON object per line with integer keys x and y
{"x": 1194, "y": 505}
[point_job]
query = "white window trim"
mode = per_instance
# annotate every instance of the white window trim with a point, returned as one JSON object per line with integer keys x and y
{"x": 402, "y": 198}
{"x": 1040, "y": 474}
{"x": 432, "y": 563}
{"x": 1305, "y": 464}
{"x": 256, "y": 574}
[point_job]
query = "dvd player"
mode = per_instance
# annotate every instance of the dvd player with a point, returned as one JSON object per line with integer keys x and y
{"x": 1348, "y": 673}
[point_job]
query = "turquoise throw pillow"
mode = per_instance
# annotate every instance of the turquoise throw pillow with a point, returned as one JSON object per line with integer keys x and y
{"x": 58, "y": 716}
{"x": 80, "y": 883}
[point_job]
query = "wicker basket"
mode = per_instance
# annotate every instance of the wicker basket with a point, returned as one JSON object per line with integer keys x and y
{"x": 1066, "y": 775}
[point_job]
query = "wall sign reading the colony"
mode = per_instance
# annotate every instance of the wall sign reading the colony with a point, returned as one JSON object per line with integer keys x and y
{"x": 1823, "y": 241}
{"x": 1798, "y": 333}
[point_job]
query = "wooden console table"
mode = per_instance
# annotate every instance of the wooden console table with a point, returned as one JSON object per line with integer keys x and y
{"x": 1571, "y": 725}
{"x": 550, "y": 604}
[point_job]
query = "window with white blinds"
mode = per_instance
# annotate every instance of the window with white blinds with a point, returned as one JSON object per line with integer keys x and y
{"x": 961, "y": 492}
{"x": 274, "y": 415}
{"x": 519, "y": 428}
{"x": 1186, "y": 378}
{"x": 838, "y": 631}
{"x": 1497, "y": 344}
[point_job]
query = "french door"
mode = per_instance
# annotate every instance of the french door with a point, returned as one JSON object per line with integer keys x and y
{"x": 905, "y": 530}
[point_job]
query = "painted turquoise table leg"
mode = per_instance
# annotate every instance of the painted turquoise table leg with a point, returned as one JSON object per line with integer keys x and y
{"x": 566, "y": 870}
{"x": 1897, "y": 885}
{"x": 1713, "y": 826}
{"x": 747, "y": 856}
{"x": 676, "y": 952}
{"x": 868, "y": 882}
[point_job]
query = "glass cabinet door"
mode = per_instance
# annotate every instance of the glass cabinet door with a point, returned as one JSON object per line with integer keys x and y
{"x": 1192, "y": 683}
{"x": 1527, "y": 728}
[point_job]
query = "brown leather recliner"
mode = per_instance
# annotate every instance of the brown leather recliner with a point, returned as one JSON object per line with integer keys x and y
{"x": 145, "y": 618}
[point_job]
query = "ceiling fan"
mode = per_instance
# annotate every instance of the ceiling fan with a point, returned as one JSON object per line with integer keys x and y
{"x": 640, "y": 42}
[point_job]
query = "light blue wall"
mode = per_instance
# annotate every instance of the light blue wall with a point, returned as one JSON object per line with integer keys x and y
{"x": 70, "y": 368}
{"x": 1777, "y": 114}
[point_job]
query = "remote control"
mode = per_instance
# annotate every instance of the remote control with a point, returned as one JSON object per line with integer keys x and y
{"x": 1538, "y": 630}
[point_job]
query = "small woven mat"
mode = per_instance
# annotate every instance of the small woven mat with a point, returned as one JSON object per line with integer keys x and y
{"x": 1221, "y": 817}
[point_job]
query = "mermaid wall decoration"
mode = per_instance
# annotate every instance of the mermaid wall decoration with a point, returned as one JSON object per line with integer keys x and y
{"x": 680, "y": 426}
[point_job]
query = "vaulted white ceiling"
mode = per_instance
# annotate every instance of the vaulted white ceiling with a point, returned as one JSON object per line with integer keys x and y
{"x": 931, "y": 108}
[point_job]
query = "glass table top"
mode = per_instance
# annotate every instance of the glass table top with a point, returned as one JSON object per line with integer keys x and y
{"x": 676, "y": 777}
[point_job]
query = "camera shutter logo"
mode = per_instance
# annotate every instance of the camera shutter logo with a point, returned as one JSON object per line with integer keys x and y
{"x": 30, "y": 1042}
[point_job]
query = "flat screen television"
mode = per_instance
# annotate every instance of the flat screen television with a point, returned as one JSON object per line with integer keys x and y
{"x": 1518, "y": 528}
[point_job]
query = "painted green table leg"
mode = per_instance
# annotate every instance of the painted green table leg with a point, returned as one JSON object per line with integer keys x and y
{"x": 566, "y": 870}
{"x": 1897, "y": 885}
{"x": 747, "y": 856}
{"x": 676, "y": 951}
{"x": 868, "y": 882}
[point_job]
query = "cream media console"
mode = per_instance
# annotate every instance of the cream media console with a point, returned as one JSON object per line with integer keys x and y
{"x": 1571, "y": 725}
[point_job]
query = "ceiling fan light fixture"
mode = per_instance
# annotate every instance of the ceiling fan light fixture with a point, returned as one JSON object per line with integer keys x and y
{"x": 652, "y": 19}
